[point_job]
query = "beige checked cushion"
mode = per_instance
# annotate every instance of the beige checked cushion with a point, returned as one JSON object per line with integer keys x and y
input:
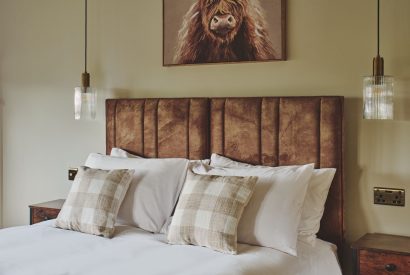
{"x": 209, "y": 210}
{"x": 94, "y": 200}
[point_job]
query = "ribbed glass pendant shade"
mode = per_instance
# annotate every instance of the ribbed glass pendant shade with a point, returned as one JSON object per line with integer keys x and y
{"x": 85, "y": 103}
{"x": 378, "y": 97}
{"x": 85, "y": 97}
{"x": 378, "y": 89}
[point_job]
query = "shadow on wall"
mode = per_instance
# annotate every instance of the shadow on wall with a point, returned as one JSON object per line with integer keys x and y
{"x": 1, "y": 156}
{"x": 121, "y": 93}
{"x": 353, "y": 173}
{"x": 1, "y": 140}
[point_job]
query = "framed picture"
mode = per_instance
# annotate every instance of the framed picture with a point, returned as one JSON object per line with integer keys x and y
{"x": 223, "y": 31}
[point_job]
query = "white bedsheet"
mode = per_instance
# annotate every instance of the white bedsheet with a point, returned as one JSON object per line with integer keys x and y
{"x": 42, "y": 249}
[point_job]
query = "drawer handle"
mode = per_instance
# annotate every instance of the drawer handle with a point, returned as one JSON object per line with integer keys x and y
{"x": 390, "y": 267}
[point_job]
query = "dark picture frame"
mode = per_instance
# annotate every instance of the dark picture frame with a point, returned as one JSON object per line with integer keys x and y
{"x": 221, "y": 31}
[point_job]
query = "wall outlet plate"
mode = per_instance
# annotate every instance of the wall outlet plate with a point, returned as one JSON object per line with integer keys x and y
{"x": 389, "y": 196}
{"x": 72, "y": 172}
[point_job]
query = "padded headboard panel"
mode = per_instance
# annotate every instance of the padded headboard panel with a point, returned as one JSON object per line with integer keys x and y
{"x": 264, "y": 130}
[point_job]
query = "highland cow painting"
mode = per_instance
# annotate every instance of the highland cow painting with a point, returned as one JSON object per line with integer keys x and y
{"x": 222, "y": 31}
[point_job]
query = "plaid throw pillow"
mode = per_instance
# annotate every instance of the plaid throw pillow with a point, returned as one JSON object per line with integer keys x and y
{"x": 94, "y": 200}
{"x": 209, "y": 210}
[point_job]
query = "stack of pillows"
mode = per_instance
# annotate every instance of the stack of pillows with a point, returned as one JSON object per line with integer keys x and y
{"x": 213, "y": 203}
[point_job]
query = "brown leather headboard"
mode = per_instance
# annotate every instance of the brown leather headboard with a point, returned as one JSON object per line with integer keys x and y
{"x": 264, "y": 130}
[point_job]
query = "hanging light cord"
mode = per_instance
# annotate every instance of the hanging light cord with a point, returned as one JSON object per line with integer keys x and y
{"x": 85, "y": 38}
{"x": 378, "y": 27}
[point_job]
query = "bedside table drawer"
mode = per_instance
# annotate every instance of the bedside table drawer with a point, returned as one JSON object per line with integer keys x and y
{"x": 43, "y": 214}
{"x": 45, "y": 211}
{"x": 374, "y": 263}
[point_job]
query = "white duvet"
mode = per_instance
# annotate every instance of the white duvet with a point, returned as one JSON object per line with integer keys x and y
{"x": 42, "y": 249}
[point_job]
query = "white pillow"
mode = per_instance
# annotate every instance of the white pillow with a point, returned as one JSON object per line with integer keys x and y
{"x": 118, "y": 152}
{"x": 273, "y": 213}
{"x": 153, "y": 191}
{"x": 314, "y": 204}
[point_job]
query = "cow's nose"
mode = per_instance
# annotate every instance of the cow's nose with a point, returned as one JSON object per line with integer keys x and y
{"x": 223, "y": 21}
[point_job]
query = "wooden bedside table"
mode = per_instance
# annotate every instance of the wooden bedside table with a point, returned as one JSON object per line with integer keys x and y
{"x": 376, "y": 254}
{"x": 45, "y": 211}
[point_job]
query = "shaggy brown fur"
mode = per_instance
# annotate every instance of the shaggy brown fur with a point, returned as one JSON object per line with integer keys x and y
{"x": 202, "y": 40}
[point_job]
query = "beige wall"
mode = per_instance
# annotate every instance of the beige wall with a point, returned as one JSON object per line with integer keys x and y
{"x": 330, "y": 44}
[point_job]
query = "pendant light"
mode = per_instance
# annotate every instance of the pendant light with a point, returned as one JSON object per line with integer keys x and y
{"x": 378, "y": 88}
{"x": 85, "y": 98}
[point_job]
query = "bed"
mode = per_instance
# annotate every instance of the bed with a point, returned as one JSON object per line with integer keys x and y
{"x": 43, "y": 249}
{"x": 269, "y": 131}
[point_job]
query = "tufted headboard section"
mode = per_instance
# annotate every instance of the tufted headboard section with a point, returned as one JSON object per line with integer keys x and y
{"x": 261, "y": 130}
